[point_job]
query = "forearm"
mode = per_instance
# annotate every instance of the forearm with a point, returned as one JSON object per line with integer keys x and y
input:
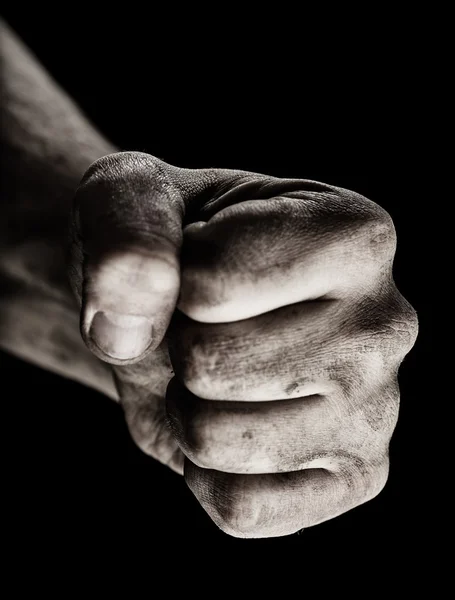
{"x": 46, "y": 145}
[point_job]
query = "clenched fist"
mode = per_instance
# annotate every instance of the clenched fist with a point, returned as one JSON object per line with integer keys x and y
{"x": 255, "y": 329}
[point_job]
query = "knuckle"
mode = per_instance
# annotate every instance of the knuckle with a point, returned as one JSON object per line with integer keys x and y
{"x": 388, "y": 324}
{"x": 202, "y": 294}
{"x": 364, "y": 479}
{"x": 127, "y": 195}
{"x": 213, "y": 440}
{"x": 198, "y": 426}
{"x": 196, "y": 378}
{"x": 237, "y": 504}
{"x": 351, "y": 376}
{"x": 376, "y": 481}
{"x": 379, "y": 413}
{"x": 368, "y": 418}
{"x": 118, "y": 165}
{"x": 201, "y": 366}
{"x": 372, "y": 233}
{"x": 198, "y": 440}
{"x": 360, "y": 221}
{"x": 406, "y": 324}
{"x": 381, "y": 235}
{"x": 206, "y": 278}
{"x": 240, "y": 513}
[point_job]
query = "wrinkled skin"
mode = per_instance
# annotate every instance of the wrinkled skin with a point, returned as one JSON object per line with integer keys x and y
{"x": 277, "y": 330}
{"x": 257, "y": 332}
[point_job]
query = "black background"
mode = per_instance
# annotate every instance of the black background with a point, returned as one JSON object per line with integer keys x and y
{"x": 238, "y": 96}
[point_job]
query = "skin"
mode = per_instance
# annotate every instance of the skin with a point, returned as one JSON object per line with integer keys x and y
{"x": 249, "y": 325}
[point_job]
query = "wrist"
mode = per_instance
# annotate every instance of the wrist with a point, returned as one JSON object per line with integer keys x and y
{"x": 46, "y": 145}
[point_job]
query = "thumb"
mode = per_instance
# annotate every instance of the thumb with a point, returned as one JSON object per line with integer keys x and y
{"x": 126, "y": 231}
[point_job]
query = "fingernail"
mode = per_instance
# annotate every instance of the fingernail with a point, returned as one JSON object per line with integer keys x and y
{"x": 121, "y": 336}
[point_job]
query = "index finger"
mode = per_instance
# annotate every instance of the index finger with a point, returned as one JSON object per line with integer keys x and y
{"x": 260, "y": 254}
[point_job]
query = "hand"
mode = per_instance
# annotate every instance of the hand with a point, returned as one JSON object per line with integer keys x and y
{"x": 286, "y": 341}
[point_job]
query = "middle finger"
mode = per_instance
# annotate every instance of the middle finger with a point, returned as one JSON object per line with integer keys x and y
{"x": 294, "y": 351}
